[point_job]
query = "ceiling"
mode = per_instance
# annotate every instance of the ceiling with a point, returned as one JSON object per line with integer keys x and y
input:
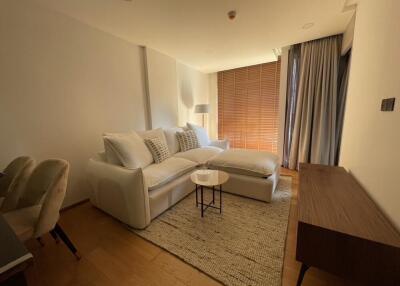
{"x": 199, "y": 33}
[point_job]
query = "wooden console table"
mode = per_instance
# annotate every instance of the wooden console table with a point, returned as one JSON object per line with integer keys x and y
{"x": 342, "y": 231}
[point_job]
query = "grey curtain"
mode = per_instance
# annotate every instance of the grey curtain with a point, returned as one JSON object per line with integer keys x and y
{"x": 314, "y": 132}
{"x": 291, "y": 98}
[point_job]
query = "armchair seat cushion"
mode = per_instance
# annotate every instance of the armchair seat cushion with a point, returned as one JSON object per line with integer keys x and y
{"x": 157, "y": 175}
{"x": 246, "y": 162}
{"x": 23, "y": 221}
{"x": 199, "y": 155}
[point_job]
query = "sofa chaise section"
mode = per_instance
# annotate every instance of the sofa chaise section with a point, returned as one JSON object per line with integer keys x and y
{"x": 200, "y": 155}
{"x": 253, "y": 174}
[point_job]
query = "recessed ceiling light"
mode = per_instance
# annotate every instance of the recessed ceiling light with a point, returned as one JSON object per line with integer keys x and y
{"x": 232, "y": 14}
{"x": 308, "y": 26}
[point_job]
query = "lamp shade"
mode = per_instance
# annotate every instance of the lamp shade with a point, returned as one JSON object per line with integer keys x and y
{"x": 201, "y": 108}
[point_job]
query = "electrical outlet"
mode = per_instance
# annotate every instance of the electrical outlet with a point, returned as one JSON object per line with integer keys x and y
{"x": 388, "y": 104}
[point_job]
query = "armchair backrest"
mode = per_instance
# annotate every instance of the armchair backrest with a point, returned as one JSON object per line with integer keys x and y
{"x": 12, "y": 184}
{"x": 42, "y": 180}
{"x": 47, "y": 185}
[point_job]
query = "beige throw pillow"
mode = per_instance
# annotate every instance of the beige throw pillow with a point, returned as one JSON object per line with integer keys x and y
{"x": 187, "y": 140}
{"x": 158, "y": 149}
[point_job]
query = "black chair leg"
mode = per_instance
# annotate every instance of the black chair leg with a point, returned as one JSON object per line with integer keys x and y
{"x": 39, "y": 239}
{"x": 58, "y": 230}
{"x": 55, "y": 236}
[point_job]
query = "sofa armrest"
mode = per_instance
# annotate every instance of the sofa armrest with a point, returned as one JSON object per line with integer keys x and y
{"x": 120, "y": 192}
{"x": 223, "y": 144}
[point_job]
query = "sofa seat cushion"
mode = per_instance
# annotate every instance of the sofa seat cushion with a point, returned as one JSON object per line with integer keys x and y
{"x": 246, "y": 162}
{"x": 200, "y": 155}
{"x": 157, "y": 175}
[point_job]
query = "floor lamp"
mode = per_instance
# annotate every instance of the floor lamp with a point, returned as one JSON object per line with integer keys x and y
{"x": 202, "y": 109}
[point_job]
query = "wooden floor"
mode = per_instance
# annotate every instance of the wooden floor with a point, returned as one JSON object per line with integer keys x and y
{"x": 112, "y": 255}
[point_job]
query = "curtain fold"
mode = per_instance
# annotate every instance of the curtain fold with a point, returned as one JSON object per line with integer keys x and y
{"x": 314, "y": 132}
{"x": 291, "y": 98}
{"x": 343, "y": 80}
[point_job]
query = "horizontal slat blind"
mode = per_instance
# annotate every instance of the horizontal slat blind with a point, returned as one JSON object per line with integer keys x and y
{"x": 248, "y": 101}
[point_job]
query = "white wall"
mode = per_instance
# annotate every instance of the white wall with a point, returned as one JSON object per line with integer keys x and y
{"x": 174, "y": 89}
{"x": 348, "y": 35}
{"x": 371, "y": 138}
{"x": 193, "y": 88}
{"x": 162, "y": 89}
{"x": 62, "y": 84}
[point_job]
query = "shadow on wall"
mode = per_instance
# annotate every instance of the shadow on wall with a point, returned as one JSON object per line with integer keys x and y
{"x": 187, "y": 94}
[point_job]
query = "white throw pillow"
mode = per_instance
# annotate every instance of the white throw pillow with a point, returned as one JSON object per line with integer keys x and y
{"x": 172, "y": 140}
{"x": 129, "y": 148}
{"x": 111, "y": 156}
{"x": 201, "y": 134}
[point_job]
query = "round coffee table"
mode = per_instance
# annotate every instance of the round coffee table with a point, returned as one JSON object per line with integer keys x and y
{"x": 209, "y": 179}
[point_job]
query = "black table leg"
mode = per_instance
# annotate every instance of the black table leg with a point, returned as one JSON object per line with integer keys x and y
{"x": 202, "y": 204}
{"x": 220, "y": 199}
{"x": 197, "y": 200}
{"x": 213, "y": 195}
{"x": 303, "y": 270}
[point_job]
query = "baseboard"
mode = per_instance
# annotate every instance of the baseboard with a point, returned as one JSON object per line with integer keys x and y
{"x": 74, "y": 205}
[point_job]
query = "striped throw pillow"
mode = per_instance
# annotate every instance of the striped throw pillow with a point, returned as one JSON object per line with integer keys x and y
{"x": 158, "y": 148}
{"x": 187, "y": 140}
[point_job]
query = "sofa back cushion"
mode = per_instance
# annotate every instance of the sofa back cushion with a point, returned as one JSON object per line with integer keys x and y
{"x": 187, "y": 140}
{"x": 127, "y": 149}
{"x": 172, "y": 140}
{"x": 201, "y": 134}
{"x": 158, "y": 149}
{"x": 153, "y": 133}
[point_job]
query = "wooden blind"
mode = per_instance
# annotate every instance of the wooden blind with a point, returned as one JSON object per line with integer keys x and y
{"x": 248, "y": 101}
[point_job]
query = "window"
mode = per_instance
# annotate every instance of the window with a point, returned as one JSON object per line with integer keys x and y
{"x": 248, "y": 101}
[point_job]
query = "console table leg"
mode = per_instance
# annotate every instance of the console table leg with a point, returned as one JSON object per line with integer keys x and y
{"x": 303, "y": 270}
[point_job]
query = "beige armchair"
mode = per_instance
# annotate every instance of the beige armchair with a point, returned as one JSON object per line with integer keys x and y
{"x": 38, "y": 208}
{"x": 12, "y": 183}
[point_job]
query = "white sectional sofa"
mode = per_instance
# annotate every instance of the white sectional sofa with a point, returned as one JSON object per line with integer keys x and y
{"x": 138, "y": 193}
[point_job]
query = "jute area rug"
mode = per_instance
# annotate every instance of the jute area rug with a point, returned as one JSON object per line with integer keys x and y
{"x": 242, "y": 246}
